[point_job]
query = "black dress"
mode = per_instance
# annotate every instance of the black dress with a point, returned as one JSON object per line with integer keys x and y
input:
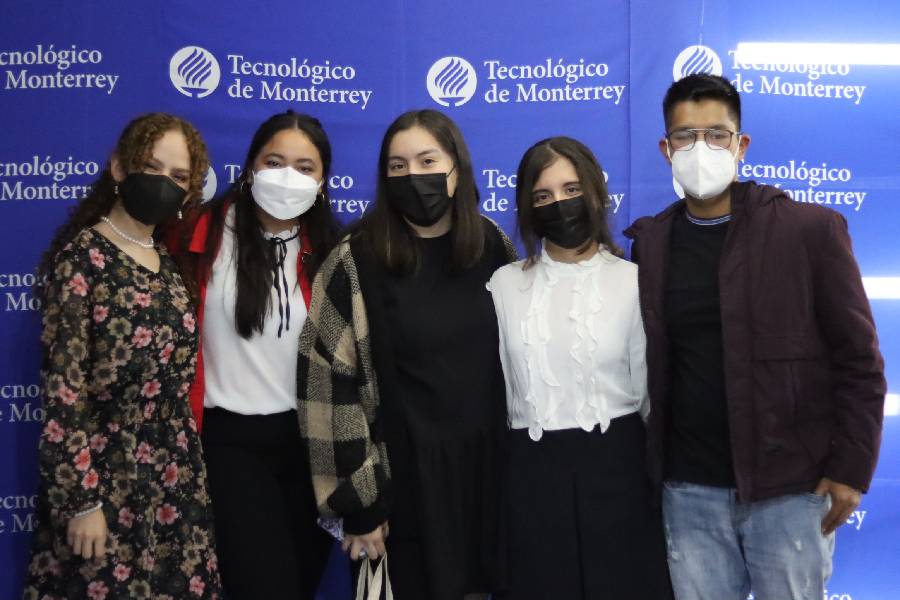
{"x": 446, "y": 439}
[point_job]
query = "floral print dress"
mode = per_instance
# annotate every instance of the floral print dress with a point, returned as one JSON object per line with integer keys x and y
{"x": 120, "y": 346}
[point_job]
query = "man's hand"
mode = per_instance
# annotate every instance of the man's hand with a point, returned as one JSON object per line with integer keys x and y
{"x": 844, "y": 499}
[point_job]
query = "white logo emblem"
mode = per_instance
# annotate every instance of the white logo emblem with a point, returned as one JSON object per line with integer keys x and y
{"x": 210, "y": 184}
{"x": 194, "y": 72}
{"x": 452, "y": 81}
{"x": 696, "y": 59}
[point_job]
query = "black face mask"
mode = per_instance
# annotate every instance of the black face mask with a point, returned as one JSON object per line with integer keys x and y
{"x": 151, "y": 199}
{"x": 566, "y": 223}
{"x": 422, "y": 199}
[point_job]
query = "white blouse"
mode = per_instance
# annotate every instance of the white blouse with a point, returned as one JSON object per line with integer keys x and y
{"x": 572, "y": 343}
{"x": 256, "y": 376}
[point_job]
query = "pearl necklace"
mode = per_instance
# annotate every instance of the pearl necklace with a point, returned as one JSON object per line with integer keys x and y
{"x": 125, "y": 236}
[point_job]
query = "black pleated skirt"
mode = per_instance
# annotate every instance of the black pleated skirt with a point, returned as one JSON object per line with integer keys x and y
{"x": 582, "y": 521}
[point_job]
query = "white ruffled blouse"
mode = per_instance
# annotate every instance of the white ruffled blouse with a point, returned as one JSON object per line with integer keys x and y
{"x": 572, "y": 343}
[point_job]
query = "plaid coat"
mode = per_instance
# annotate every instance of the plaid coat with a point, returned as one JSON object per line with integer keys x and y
{"x": 338, "y": 398}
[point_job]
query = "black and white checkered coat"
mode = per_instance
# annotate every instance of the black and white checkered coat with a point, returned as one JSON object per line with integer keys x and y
{"x": 338, "y": 399}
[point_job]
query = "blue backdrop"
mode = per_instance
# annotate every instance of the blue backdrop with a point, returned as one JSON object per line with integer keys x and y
{"x": 509, "y": 73}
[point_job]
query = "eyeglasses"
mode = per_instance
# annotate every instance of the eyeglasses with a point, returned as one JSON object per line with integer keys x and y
{"x": 716, "y": 139}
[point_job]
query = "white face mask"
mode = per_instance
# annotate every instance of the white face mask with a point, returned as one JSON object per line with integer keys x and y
{"x": 702, "y": 171}
{"x": 284, "y": 193}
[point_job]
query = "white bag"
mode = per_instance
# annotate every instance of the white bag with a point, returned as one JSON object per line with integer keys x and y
{"x": 369, "y": 583}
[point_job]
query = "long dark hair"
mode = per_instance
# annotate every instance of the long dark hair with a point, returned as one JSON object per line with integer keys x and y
{"x": 392, "y": 240}
{"x": 593, "y": 188}
{"x": 254, "y": 254}
{"x": 133, "y": 149}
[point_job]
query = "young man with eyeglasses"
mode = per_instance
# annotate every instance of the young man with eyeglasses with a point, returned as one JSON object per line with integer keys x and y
{"x": 766, "y": 382}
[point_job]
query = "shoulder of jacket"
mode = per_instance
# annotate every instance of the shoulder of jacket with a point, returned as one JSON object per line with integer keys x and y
{"x": 650, "y": 222}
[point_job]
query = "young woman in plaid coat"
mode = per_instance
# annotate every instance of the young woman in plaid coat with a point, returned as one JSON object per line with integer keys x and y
{"x": 401, "y": 393}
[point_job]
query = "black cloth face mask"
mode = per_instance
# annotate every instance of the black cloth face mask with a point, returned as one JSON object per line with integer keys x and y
{"x": 566, "y": 223}
{"x": 151, "y": 199}
{"x": 423, "y": 199}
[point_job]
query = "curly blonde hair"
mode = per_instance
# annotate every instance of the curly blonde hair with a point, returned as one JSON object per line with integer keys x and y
{"x": 134, "y": 147}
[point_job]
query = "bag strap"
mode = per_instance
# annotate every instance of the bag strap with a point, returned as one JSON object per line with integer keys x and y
{"x": 373, "y": 581}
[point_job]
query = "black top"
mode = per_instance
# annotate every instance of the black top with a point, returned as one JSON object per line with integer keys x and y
{"x": 698, "y": 448}
{"x": 445, "y": 339}
{"x": 443, "y": 397}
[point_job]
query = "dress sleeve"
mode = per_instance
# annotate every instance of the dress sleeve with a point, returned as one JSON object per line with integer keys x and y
{"x": 66, "y": 463}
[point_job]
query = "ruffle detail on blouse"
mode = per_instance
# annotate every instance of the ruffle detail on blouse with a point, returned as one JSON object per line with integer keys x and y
{"x": 587, "y": 302}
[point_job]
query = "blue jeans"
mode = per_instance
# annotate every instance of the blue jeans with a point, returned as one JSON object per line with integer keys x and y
{"x": 721, "y": 549}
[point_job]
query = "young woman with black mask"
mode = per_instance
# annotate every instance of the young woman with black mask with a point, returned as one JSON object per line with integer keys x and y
{"x": 252, "y": 256}
{"x": 572, "y": 344}
{"x": 401, "y": 389}
{"x": 123, "y": 508}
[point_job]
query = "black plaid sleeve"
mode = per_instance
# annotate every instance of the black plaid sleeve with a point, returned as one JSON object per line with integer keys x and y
{"x": 337, "y": 399}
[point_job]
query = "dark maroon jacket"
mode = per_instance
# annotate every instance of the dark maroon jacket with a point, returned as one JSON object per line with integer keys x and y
{"x": 804, "y": 377}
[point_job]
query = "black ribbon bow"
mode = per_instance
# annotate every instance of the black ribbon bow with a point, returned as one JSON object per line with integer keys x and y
{"x": 279, "y": 251}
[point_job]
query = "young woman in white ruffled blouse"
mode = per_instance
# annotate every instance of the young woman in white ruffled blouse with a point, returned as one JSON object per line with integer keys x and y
{"x": 582, "y": 521}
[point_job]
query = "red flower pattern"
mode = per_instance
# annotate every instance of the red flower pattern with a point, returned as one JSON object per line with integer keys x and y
{"x": 90, "y": 480}
{"x": 151, "y": 389}
{"x": 98, "y": 442}
{"x": 142, "y": 337}
{"x": 170, "y": 475}
{"x": 167, "y": 514}
{"x": 53, "y": 432}
{"x": 197, "y": 586}
{"x": 67, "y": 396}
{"x": 95, "y": 445}
{"x": 97, "y": 590}
{"x": 100, "y": 313}
{"x": 78, "y": 285}
{"x": 121, "y": 572}
{"x": 126, "y": 517}
{"x": 142, "y": 299}
{"x": 97, "y": 258}
{"x": 83, "y": 460}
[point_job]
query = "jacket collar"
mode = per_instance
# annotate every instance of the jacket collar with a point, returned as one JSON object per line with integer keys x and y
{"x": 745, "y": 196}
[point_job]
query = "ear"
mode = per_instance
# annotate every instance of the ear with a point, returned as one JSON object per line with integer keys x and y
{"x": 743, "y": 144}
{"x": 664, "y": 150}
{"x": 115, "y": 167}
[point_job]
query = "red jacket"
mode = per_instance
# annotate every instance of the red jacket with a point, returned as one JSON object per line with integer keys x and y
{"x": 197, "y": 245}
{"x": 804, "y": 377}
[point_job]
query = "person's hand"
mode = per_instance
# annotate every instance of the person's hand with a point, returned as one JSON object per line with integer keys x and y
{"x": 844, "y": 499}
{"x": 372, "y": 543}
{"x": 87, "y": 535}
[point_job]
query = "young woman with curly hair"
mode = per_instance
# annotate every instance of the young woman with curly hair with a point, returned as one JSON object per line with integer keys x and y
{"x": 123, "y": 508}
